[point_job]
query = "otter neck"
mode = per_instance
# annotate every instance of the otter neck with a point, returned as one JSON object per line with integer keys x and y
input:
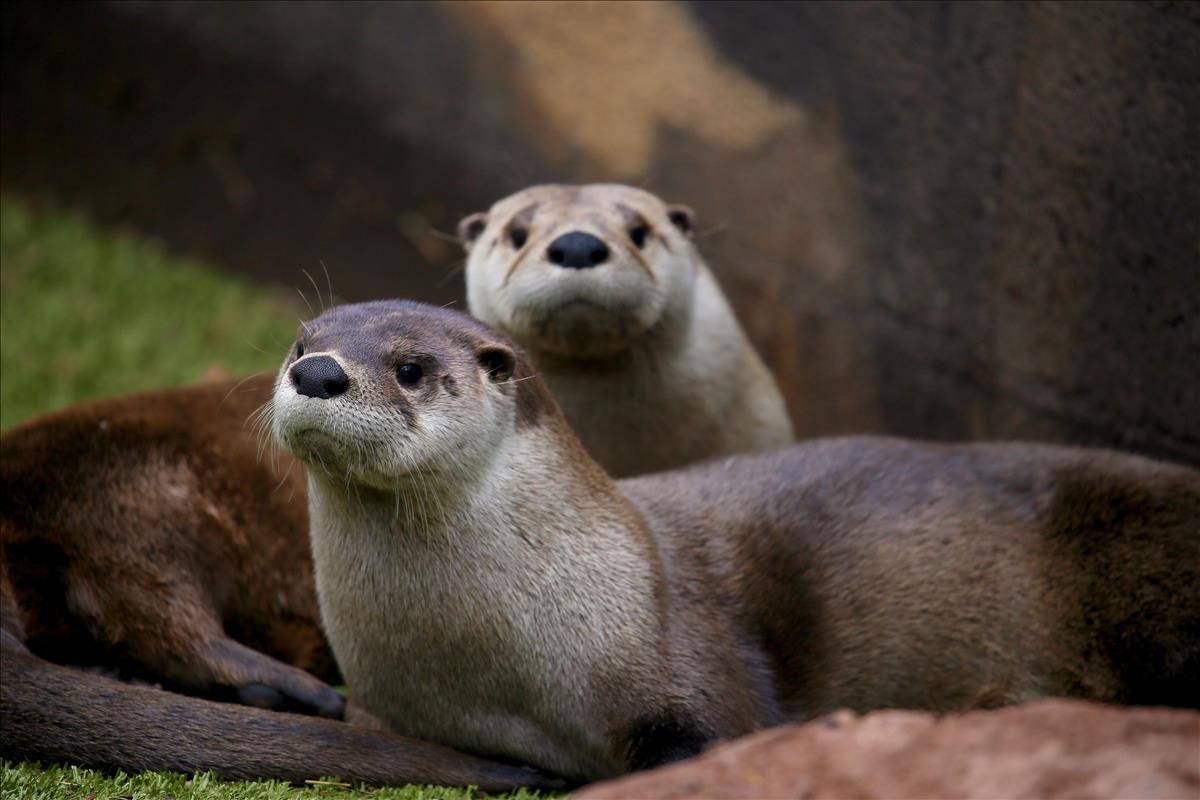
{"x": 540, "y": 467}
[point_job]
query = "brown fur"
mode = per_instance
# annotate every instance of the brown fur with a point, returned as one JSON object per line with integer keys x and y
{"x": 53, "y": 713}
{"x": 149, "y": 528}
{"x": 610, "y": 626}
{"x": 149, "y": 536}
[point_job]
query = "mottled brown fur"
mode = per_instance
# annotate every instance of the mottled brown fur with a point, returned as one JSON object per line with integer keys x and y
{"x": 139, "y": 532}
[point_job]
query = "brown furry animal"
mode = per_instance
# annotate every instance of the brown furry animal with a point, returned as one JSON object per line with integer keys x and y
{"x": 484, "y": 584}
{"x": 146, "y": 536}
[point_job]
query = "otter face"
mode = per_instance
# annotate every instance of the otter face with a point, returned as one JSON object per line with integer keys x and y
{"x": 373, "y": 393}
{"x": 579, "y": 271}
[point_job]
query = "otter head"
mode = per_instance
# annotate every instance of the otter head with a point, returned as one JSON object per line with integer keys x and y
{"x": 374, "y": 393}
{"x": 578, "y": 270}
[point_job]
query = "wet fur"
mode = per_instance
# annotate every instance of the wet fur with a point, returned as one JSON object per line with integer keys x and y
{"x": 523, "y": 605}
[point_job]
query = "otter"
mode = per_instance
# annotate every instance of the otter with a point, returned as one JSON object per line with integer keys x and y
{"x": 603, "y": 288}
{"x": 154, "y": 534}
{"x": 149, "y": 537}
{"x": 485, "y": 585}
{"x": 52, "y": 713}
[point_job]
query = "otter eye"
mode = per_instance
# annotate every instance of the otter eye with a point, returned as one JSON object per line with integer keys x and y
{"x": 638, "y": 235}
{"x": 299, "y": 349}
{"x": 518, "y": 236}
{"x": 408, "y": 374}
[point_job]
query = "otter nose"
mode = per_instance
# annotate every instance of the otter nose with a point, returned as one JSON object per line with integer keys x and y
{"x": 577, "y": 250}
{"x": 319, "y": 376}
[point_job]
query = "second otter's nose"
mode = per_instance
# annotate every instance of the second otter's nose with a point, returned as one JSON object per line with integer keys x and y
{"x": 319, "y": 376}
{"x": 577, "y": 250}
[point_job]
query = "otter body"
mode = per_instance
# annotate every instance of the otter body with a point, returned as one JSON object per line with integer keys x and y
{"x": 146, "y": 533}
{"x": 625, "y": 323}
{"x": 485, "y": 585}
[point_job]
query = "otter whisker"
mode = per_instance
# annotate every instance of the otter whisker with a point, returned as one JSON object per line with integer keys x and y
{"x": 710, "y": 230}
{"x": 320, "y": 300}
{"x": 304, "y": 297}
{"x": 255, "y": 347}
{"x": 283, "y": 480}
{"x": 442, "y": 235}
{"x": 454, "y": 271}
{"x": 231, "y": 391}
{"x": 328, "y": 282}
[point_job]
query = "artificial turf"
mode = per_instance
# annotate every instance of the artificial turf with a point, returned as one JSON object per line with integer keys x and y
{"x": 87, "y": 312}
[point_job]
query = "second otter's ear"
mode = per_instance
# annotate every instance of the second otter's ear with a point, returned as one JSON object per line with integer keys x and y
{"x": 470, "y": 228}
{"x": 497, "y": 361}
{"x": 683, "y": 218}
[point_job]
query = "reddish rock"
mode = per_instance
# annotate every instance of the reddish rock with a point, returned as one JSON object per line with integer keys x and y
{"x": 1047, "y": 749}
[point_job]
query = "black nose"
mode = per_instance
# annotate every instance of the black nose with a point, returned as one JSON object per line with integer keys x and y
{"x": 319, "y": 376}
{"x": 577, "y": 250}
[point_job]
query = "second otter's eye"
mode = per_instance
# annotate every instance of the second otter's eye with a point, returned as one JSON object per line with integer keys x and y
{"x": 409, "y": 374}
{"x": 638, "y": 235}
{"x": 518, "y": 236}
{"x": 299, "y": 349}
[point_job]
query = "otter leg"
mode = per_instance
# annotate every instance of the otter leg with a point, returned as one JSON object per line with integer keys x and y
{"x": 162, "y": 622}
{"x": 258, "y": 680}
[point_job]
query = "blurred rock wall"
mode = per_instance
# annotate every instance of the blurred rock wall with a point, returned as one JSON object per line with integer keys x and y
{"x": 943, "y": 220}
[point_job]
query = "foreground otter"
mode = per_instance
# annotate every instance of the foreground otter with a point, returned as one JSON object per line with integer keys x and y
{"x": 145, "y": 535}
{"x": 484, "y": 584}
{"x": 624, "y": 322}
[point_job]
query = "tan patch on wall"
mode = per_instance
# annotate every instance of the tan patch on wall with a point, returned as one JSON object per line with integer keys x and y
{"x": 606, "y": 76}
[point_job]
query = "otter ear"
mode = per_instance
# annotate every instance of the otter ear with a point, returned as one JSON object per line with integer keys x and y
{"x": 682, "y": 217}
{"x": 470, "y": 228}
{"x": 497, "y": 361}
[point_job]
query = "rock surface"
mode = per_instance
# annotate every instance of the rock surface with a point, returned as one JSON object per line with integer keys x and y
{"x": 1047, "y": 749}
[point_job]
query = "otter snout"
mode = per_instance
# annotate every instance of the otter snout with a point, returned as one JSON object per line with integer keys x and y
{"x": 319, "y": 376}
{"x": 577, "y": 250}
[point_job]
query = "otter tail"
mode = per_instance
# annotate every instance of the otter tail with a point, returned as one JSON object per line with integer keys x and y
{"x": 53, "y": 713}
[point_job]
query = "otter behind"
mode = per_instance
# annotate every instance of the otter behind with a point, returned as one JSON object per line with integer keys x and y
{"x": 604, "y": 289}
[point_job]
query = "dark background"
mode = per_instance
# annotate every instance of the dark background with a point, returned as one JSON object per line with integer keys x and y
{"x": 967, "y": 220}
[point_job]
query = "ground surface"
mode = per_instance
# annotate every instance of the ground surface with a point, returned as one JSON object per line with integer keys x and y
{"x": 86, "y": 313}
{"x": 29, "y": 781}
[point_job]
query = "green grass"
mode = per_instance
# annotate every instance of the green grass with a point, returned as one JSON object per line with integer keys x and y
{"x": 29, "y": 781}
{"x": 85, "y": 313}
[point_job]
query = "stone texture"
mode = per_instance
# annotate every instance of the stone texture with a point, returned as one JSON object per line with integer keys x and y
{"x": 943, "y": 220}
{"x": 1047, "y": 749}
